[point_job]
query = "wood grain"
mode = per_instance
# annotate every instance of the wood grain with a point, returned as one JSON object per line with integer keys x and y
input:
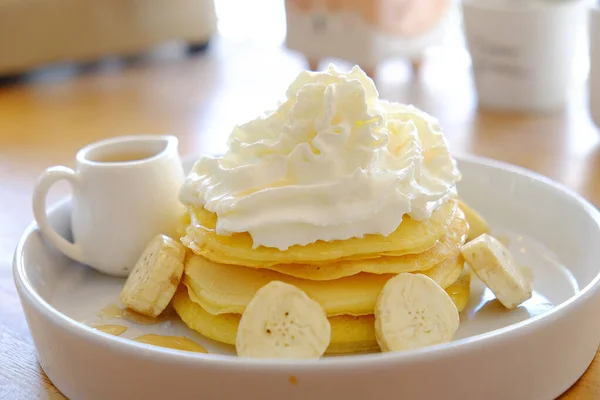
{"x": 45, "y": 121}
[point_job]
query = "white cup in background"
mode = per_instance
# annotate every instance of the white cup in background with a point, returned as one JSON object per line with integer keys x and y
{"x": 523, "y": 52}
{"x": 594, "y": 81}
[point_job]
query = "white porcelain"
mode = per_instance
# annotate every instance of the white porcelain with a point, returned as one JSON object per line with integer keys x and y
{"x": 117, "y": 206}
{"x": 594, "y": 81}
{"x": 534, "y": 352}
{"x": 523, "y": 52}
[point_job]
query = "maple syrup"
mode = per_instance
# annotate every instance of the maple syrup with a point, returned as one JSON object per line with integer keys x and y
{"x": 124, "y": 156}
{"x": 111, "y": 329}
{"x": 114, "y": 312}
{"x": 172, "y": 342}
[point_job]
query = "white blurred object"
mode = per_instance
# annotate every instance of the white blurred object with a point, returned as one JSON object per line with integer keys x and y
{"x": 524, "y": 52}
{"x": 366, "y": 32}
{"x": 256, "y": 20}
{"x": 594, "y": 82}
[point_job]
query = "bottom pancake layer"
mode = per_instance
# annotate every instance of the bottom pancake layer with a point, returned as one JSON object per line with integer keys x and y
{"x": 349, "y": 334}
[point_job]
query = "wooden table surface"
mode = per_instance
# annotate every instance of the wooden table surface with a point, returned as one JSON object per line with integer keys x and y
{"x": 45, "y": 121}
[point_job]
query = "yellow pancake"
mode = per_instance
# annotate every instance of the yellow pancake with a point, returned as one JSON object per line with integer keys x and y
{"x": 349, "y": 334}
{"x": 448, "y": 246}
{"x": 224, "y": 289}
{"x": 477, "y": 224}
{"x": 411, "y": 237}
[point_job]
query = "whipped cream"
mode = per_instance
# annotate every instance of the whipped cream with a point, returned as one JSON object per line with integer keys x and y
{"x": 332, "y": 162}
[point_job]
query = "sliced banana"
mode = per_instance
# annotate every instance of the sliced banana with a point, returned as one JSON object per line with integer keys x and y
{"x": 281, "y": 321}
{"x": 154, "y": 279}
{"x": 477, "y": 224}
{"x": 495, "y": 266}
{"x": 413, "y": 311}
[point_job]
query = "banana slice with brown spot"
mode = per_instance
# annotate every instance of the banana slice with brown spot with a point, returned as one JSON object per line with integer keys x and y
{"x": 155, "y": 278}
{"x": 413, "y": 311}
{"x": 281, "y": 321}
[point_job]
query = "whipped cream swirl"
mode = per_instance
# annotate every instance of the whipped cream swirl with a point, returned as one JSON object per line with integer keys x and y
{"x": 332, "y": 162}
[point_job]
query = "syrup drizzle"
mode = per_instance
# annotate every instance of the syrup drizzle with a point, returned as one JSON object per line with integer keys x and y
{"x": 172, "y": 342}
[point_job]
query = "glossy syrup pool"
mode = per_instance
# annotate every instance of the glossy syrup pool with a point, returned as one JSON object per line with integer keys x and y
{"x": 93, "y": 299}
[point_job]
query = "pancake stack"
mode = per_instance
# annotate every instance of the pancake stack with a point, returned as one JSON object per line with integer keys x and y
{"x": 330, "y": 225}
{"x": 223, "y": 273}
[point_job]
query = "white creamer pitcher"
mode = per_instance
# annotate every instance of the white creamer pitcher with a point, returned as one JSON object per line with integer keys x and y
{"x": 125, "y": 191}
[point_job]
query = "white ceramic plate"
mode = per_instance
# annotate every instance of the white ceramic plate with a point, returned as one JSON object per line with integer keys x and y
{"x": 534, "y": 352}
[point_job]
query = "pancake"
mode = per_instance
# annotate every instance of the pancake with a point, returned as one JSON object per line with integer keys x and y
{"x": 447, "y": 246}
{"x": 349, "y": 334}
{"x": 223, "y": 289}
{"x": 411, "y": 237}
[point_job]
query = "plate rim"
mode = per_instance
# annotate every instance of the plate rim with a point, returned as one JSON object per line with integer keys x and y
{"x": 28, "y": 293}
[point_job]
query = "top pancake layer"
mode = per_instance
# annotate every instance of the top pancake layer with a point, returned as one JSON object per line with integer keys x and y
{"x": 411, "y": 237}
{"x": 447, "y": 246}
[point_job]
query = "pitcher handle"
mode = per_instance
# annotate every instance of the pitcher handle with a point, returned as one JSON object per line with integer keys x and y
{"x": 48, "y": 178}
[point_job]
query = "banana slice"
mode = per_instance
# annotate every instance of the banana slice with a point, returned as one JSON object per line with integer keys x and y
{"x": 154, "y": 279}
{"x": 477, "y": 224}
{"x": 494, "y": 265}
{"x": 281, "y": 321}
{"x": 413, "y": 311}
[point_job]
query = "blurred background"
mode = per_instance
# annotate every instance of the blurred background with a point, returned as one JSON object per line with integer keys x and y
{"x": 224, "y": 61}
{"x": 73, "y": 72}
